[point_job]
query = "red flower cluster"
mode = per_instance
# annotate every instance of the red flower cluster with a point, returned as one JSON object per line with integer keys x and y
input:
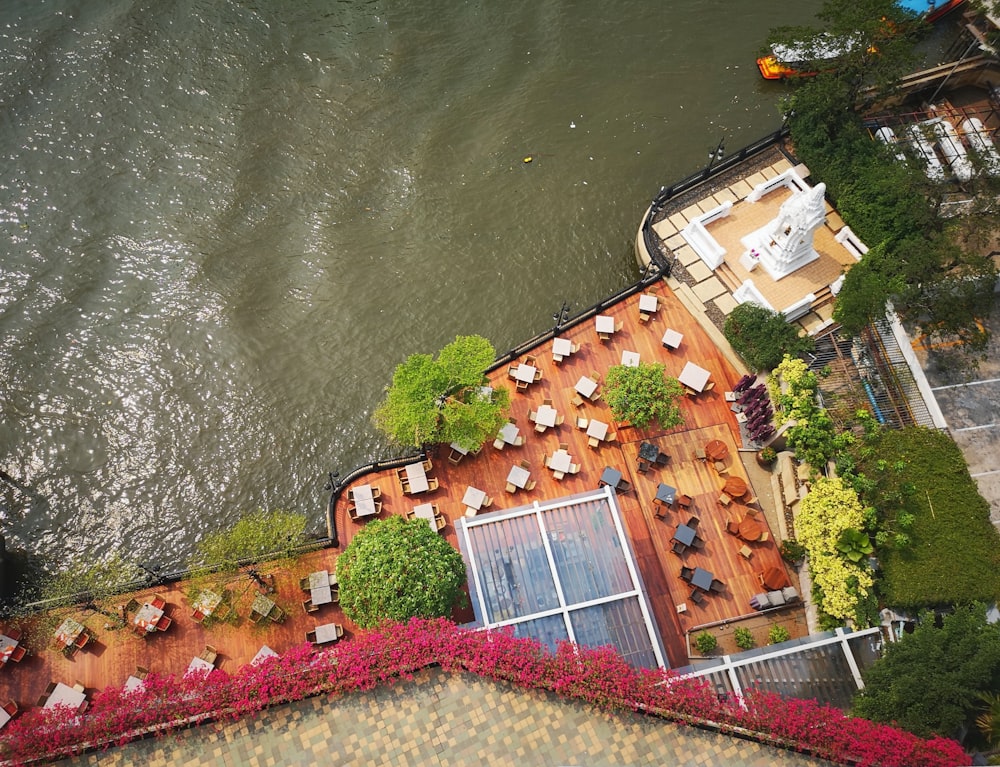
{"x": 383, "y": 655}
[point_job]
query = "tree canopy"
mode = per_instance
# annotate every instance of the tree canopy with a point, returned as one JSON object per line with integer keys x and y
{"x": 443, "y": 400}
{"x": 395, "y": 569}
{"x": 763, "y": 337}
{"x": 915, "y": 259}
{"x": 643, "y": 393}
{"x": 929, "y": 681}
{"x": 256, "y": 535}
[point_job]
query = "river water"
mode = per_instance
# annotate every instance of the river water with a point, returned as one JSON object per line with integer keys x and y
{"x": 225, "y": 223}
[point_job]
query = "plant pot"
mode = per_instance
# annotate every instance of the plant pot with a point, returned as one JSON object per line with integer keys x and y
{"x": 763, "y": 462}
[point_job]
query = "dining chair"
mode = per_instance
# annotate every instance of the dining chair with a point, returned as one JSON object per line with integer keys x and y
{"x": 577, "y": 400}
{"x": 376, "y": 493}
{"x": 619, "y": 325}
{"x": 725, "y": 499}
{"x": 717, "y": 586}
{"x": 455, "y": 457}
{"x": 643, "y": 317}
{"x": 530, "y": 359}
{"x": 643, "y": 466}
{"x": 593, "y": 442}
{"x": 498, "y": 443}
{"x": 764, "y": 537}
{"x": 18, "y": 653}
{"x": 662, "y": 459}
{"x": 52, "y": 685}
{"x": 678, "y": 548}
{"x": 159, "y": 602}
{"x": 732, "y": 527}
{"x": 698, "y": 543}
{"x": 538, "y": 375}
{"x": 693, "y": 521}
{"x": 530, "y": 485}
{"x": 81, "y": 641}
{"x": 522, "y": 384}
{"x": 311, "y": 637}
{"x": 78, "y": 686}
{"x": 699, "y": 453}
{"x": 684, "y": 501}
{"x": 686, "y": 573}
{"x": 574, "y": 468}
{"x": 164, "y": 623}
{"x": 141, "y": 672}
{"x": 603, "y": 337}
{"x": 582, "y": 423}
{"x": 612, "y": 437}
{"x": 511, "y": 488}
{"x": 441, "y": 522}
{"x": 661, "y": 509}
{"x": 340, "y": 630}
{"x": 525, "y": 464}
{"x": 10, "y": 707}
{"x": 432, "y": 484}
{"x": 697, "y": 597}
{"x": 532, "y": 415}
{"x": 335, "y": 594}
{"x": 558, "y": 474}
{"x": 197, "y": 616}
{"x": 746, "y": 551}
{"x": 560, "y": 419}
{"x": 487, "y": 502}
{"x": 308, "y": 606}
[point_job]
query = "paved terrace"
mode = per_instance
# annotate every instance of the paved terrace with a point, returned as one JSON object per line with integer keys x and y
{"x": 445, "y": 719}
{"x": 115, "y": 653}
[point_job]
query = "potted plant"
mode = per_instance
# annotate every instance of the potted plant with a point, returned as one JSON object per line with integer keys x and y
{"x": 792, "y": 551}
{"x": 744, "y": 638}
{"x": 766, "y": 456}
{"x": 705, "y": 642}
{"x": 778, "y": 634}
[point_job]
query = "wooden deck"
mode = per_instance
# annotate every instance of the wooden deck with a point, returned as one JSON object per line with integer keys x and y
{"x": 707, "y": 416}
{"x": 117, "y": 651}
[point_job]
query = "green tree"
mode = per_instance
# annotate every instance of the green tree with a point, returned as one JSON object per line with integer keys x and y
{"x": 256, "y": 535}
{"x": 396, "y": 569}
{"x": 443, "y": 400}
{"x": 643, "y": 393}
{"x": 762, "y": 337}
{"x": 928, "y": 682}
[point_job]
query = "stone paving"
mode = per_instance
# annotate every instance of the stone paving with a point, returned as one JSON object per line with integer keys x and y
{"x": 446, "y": 719}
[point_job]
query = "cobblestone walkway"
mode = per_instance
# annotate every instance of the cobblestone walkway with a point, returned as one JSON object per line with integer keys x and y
{"x": 445, "y": 719}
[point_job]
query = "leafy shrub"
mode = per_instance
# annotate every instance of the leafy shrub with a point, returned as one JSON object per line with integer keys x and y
{"x": 778, "y": 634}
{"x": 791, "y": 550}
{"x": 705, "y": 642}
{"x": 828, "y": 509}
{"x": 396, "y": 569}
{"x": 919, "y": 484}
{"x": 380, "y": 657}
{"x": 762, "y": 337}
{"x": 643, "y": 393}
{"x": 744, "y": 638}
{"x": 768, "y": 455}
{"x": 793, "y": 390}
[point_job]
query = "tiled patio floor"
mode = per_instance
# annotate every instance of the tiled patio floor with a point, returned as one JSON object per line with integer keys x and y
{"x": 446, "y": 719}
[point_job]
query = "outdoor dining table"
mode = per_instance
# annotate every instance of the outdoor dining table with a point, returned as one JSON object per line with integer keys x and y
{"x": 716, "y": 449}
{"x": 666, "y": 494}
{"x": 604, "y": 324}
{"x": 702, "y": 579}
{"x": 586, "y": 386}
{"x": 263, "y": 653}
{"x": 64, "y": 695}
{"x": 672, "y": 339}
{"x": 474, "y": 498}
{"x": 206, "y": 602}
{"x": 630, "y": 359}
{"x": 426, "y": 511}
{"x": 262, "y": 605}
{"x": 320, "y": 588}
{"x": 147, "y": 616}
{"x": 68, "y": 632}
{"x": 508, "y": 433}
{"x": 685, "y": 534}
{"x": 561, "y": 347}
{"x": 134, "y": 683}
{"x": 524, "y": 372}
{"x": 7, "y": 647}
{"x": 597, "y": 429}
{"x": 648, "y": 303}
{"x": 610, "y": 477}
{"x": 4, "y": 717}
{"x": 649, "y": 452}
{"x": 364, "y": 500}
{"x": 518, "y": 476}
{"x": 774, "y": 578}
{"x": 416, "y": 477}
{"x": 326, "y": 632}
{"x": 546, "y": 415}
{"x": 694, "y": 377}
{"x": 735, "y": 486}
{"x": 199, "y": 664}
{"x": 560, "y": 461}
{"x": 750, "y": 529}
